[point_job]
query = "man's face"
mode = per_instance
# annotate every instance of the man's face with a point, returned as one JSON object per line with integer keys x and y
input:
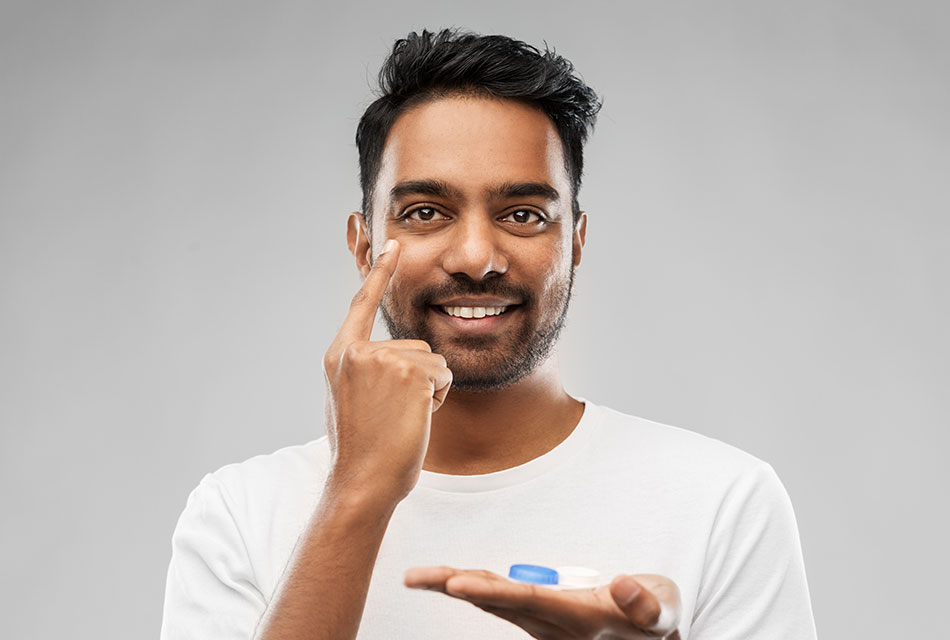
{"x": 476, "y": 192}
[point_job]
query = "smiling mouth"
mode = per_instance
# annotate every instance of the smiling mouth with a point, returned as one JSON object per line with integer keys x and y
{"x": 472, "y": 312}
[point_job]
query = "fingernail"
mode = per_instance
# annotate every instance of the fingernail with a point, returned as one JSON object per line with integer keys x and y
{"x": 626, "y": 591}
{"x": 389, "y": 246}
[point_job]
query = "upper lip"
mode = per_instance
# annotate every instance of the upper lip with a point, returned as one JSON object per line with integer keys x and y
{"x": 475, "y": 302}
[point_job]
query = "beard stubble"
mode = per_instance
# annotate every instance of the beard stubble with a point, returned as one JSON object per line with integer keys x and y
{"x": 486, "y": 362}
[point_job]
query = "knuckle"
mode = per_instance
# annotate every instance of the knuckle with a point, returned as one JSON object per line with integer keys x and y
{"x": 384, "y": 356}
{"x": 405, "y": 370}
{"x": 352, "y": 353}
{"x": 394, "y": 364}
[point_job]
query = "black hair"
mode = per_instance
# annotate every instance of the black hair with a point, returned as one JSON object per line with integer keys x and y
{"x": 430, "y": 65}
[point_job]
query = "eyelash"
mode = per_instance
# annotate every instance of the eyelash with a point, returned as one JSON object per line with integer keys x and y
{"x": 407, "y": 215}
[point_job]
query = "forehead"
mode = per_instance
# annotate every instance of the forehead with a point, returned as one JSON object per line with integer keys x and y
{"x": 473, "y": 144}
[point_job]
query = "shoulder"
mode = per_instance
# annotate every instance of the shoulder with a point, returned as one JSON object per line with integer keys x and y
{"x": 704, "y": 477}
{"x": 671, "y": 443}
{"x": 247, "y": 516}
{"x": 279, "y": 487}
{"x": 275, "y": 477}
{"x": 653, "y": 449}
{"x": 237, "y": 530}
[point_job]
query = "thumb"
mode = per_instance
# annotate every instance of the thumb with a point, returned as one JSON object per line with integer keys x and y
{"x": 642, "y": 607}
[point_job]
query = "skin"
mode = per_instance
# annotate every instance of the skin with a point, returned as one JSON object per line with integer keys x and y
{"x": 474, "y": 145}
{"x": 391, "y": 407}
{"x": 630, "y": 607}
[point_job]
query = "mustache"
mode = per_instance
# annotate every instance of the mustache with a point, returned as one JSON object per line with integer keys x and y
{"x": 463, "y": 285}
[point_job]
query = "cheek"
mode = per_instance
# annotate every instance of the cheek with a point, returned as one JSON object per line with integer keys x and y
{"x": 414, "y": 255}
{"x": 550, "y": 263}
{"x": 410, "y": 269}
{"x": 398, "y": 295}
{"x": 408, "y": 278}
{"x": 552, "y": 271}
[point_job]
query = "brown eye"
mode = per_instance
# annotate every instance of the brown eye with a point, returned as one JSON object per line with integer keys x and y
{"x": 424, "y": 214}
{"x": 524, "y": 216}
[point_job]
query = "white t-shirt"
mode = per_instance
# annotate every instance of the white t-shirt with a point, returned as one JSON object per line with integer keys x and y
{"x": 621, "y": 495}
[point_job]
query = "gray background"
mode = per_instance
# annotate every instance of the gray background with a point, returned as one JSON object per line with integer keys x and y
{"x": 766, "y": 264}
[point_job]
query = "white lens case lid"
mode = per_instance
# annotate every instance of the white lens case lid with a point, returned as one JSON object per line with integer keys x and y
{"x": 578, "y": 578}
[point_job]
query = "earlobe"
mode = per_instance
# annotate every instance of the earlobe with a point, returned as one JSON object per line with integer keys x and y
{"x": 580, "y": 237}
{"x": 357, "y": 240}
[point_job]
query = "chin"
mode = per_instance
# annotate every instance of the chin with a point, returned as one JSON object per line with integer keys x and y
{"x": 482, "y": 385}
{"x": 476, "y": 372}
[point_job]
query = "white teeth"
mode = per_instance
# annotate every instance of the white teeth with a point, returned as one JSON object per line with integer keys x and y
{"x": 474, "y": 312}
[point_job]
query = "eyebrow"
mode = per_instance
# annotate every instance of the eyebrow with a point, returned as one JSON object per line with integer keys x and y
{"x": 504, "y": 191}
{"x": 434, "y": 188}
{"x": 509, "y": 190}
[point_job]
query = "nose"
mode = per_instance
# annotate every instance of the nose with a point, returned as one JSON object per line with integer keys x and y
{"x": 474, "y": 249}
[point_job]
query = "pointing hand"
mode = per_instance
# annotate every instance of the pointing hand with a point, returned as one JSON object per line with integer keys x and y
{"x": 380, "y": 395}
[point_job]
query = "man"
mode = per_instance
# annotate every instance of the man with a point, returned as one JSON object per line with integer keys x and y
{"x": 453, "y": 448}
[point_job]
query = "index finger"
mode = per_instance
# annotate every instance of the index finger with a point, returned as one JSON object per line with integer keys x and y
{"x": 358, "y": 324}
{"x": 435, "y": 577}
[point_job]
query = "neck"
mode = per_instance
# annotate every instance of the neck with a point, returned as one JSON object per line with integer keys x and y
{"x": 486, "y": 431}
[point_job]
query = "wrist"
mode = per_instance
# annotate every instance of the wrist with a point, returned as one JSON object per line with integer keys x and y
{"x": 347, "y": 496}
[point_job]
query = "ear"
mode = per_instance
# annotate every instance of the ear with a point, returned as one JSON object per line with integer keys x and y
{"x": 580, "y": 237}
{"x": 357, "y": 240}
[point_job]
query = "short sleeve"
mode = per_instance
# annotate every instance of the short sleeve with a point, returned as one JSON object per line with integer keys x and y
{"x": 754, "y": 582}
{"x": 211, "y": 592}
